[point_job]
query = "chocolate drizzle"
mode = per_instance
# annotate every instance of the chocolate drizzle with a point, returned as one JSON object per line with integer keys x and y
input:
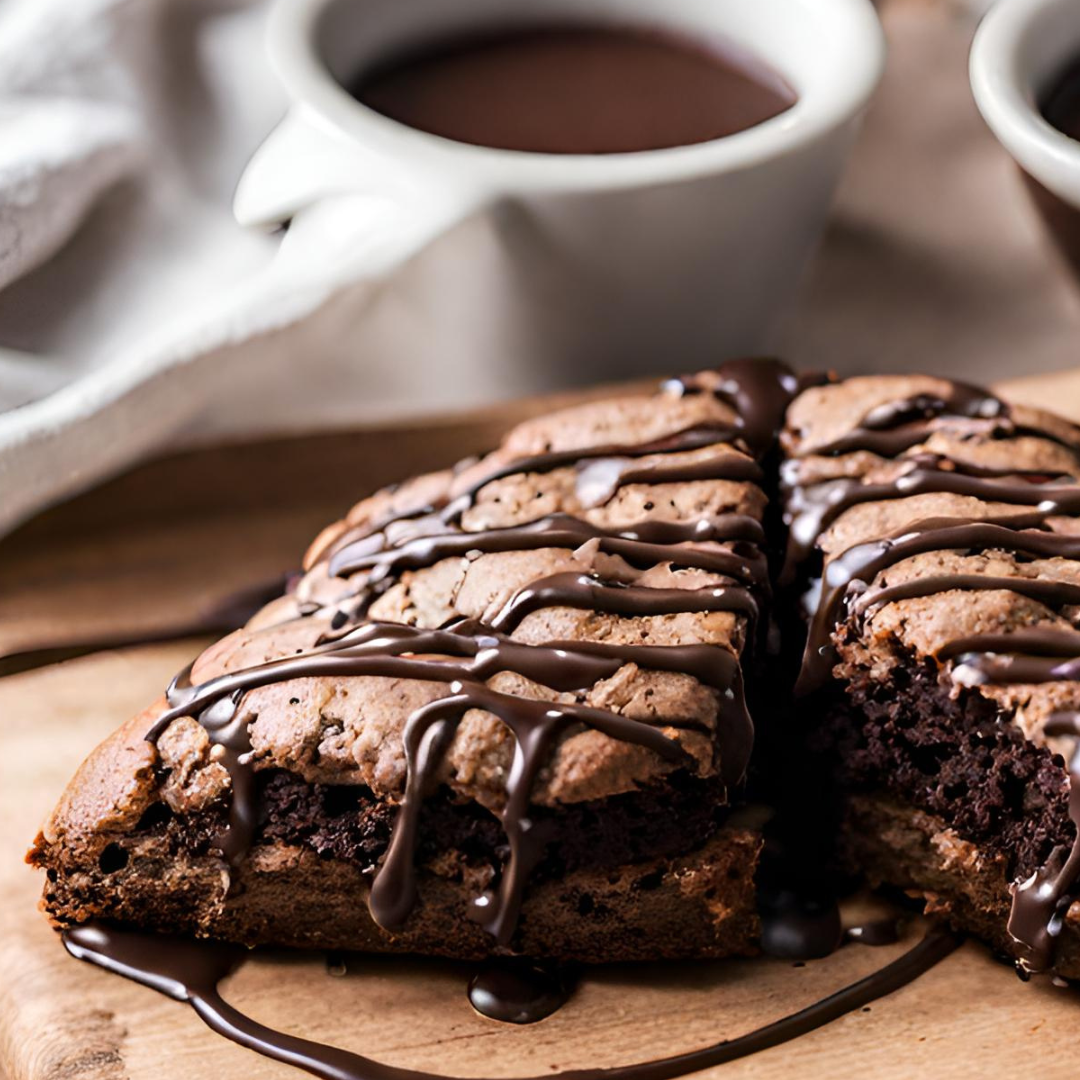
{"x": 1040, "y": 903}
{"x": 228, "y": 732}
{"x": 519, "y": 991}
{"x": 614, "y": 461}
{"x": 1034, "y": 655}
{"x": 534, "y": 725}
{"x": 848, "y": 593}
{"x": 464, "y": 655}
{"x": 471, "y": 654}
{"x": 191, "y": 971}
{"x": 845, "y": 581}
{"x": 896, "y": 426}
{"x": 759, "y": 390}
{"x": 810, "y": 511}
{"x": 591, "y": 593}
{"x": 648, "y": 543}
{"x": 598, "y": 482}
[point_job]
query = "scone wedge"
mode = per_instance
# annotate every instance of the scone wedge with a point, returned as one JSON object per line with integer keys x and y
{"x": 502, "y": 710}
{"x": 935, "y": 530}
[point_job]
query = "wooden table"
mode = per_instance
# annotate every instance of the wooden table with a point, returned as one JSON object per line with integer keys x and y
{"x": 153, "y": 551}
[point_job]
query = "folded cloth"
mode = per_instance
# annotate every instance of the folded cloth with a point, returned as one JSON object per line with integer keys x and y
{"x": 123, "y": 127}
{"x": 135, "y": 314}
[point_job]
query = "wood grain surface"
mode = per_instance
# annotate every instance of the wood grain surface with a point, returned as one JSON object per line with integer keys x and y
{"x": 59, "y": 1018}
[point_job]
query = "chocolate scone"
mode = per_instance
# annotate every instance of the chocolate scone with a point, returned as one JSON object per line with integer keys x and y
{"x": 502, "y": 709}
{"x": 935, "y": 537}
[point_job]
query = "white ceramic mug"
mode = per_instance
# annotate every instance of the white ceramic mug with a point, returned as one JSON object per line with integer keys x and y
{"x": 1021, "y": 49}
{"x": 543, "y": 269}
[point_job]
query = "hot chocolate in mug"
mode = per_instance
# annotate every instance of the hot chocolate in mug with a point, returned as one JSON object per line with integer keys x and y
{"x": 528, "y": 270}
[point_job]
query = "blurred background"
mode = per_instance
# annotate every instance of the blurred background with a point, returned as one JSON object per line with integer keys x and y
{"x": 130, "y": 318}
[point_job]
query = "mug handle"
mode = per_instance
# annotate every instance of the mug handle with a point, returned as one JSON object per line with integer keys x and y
{"x": 350, "y": 203}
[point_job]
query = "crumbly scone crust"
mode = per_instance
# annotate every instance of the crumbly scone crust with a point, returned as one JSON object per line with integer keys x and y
{"x": 965, "y": 795}
{"x": 347, "y": 730}
{"x": 893, "y": 843}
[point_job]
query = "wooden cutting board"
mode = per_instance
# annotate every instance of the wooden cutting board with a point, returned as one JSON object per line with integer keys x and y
{"x": 151, "y": 553}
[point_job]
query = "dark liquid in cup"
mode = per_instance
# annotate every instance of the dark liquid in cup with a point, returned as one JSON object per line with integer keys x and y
{"x": 1062, "y": 105}
{"x": 578, "y": 90}
{"x": 1061, "y": 108}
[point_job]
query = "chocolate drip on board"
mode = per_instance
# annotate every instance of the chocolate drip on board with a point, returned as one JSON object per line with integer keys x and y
{"x": 464, "y": 655}
{"x": 876, "y": 933}
{"x": 796, "y": 924}
{"x": 192, "y": 971}
{"x": 518, "y": 991}
{"x": 805, "y": 926}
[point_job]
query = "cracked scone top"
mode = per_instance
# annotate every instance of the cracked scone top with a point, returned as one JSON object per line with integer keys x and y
{"x": 504, "y": 705}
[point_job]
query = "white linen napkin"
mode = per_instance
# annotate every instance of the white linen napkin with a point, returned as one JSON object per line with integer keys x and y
{"x": 135, "y": 314}
{"x": 123, "y": 127}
